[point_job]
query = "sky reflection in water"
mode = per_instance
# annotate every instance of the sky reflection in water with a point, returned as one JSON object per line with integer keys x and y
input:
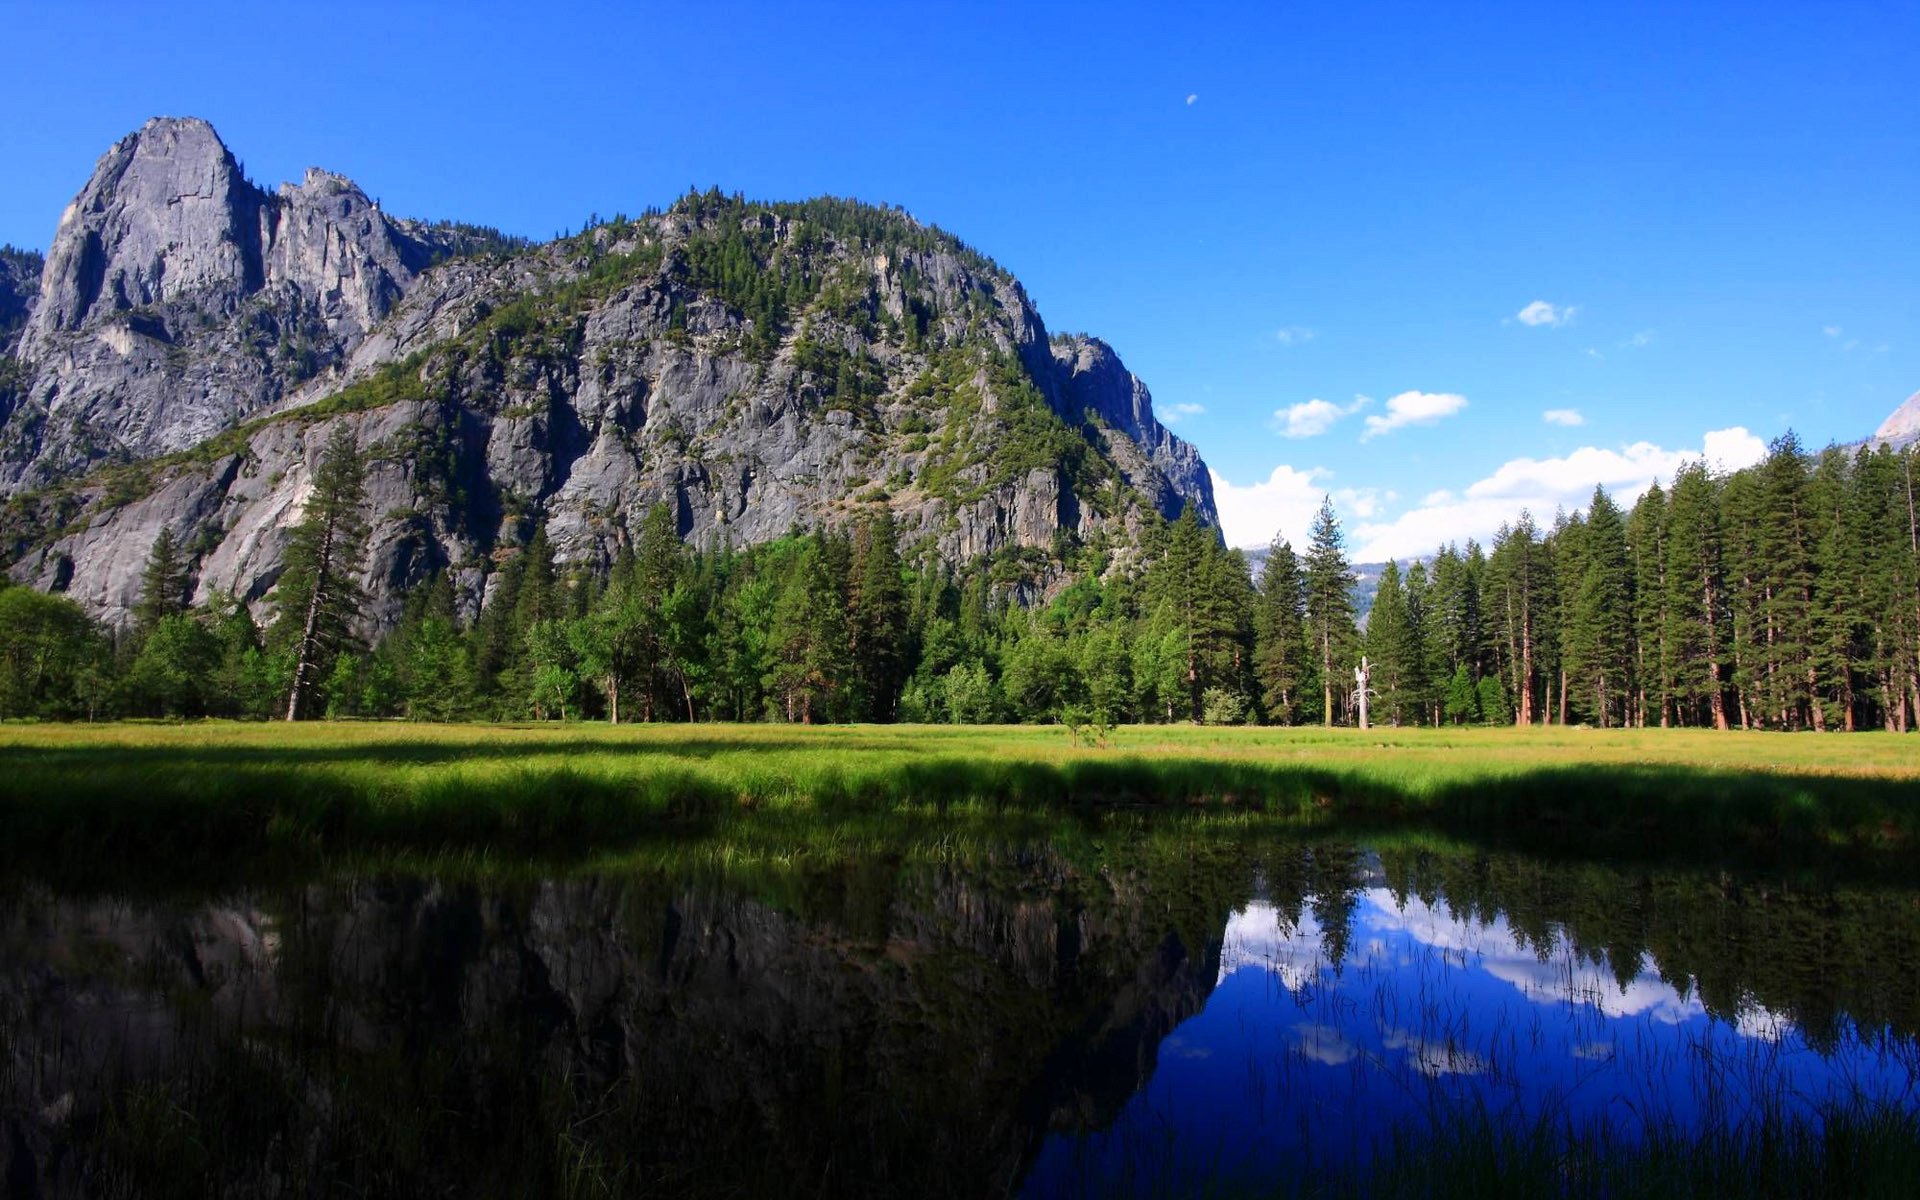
{"x": 1428, "y": 1018}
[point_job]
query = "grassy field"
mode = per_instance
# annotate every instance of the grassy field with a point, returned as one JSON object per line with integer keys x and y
{"x": 210, "y": 792}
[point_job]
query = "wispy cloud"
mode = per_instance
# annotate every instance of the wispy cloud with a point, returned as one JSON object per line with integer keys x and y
{"x": 1540, "y": 312}
{"x": 1832, "y": 331}
{"x": 1191, "y": 98}
{"x": 1563, "y": 416}
{"x": 1173, "y": 414}
{"x": 1311, "y": 418}
{"x": 1643, "y": 338}
{"x": 1294, "y": 335}
{"x": 1414, "y": 408}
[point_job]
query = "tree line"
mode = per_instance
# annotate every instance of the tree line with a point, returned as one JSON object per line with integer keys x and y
{"x": 1782, "y": 596}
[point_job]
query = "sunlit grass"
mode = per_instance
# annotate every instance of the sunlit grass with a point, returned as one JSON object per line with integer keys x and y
{"x": 214, "y": 792}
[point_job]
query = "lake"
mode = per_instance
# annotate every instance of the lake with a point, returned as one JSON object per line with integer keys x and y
{"x": 1135, "y": 1011}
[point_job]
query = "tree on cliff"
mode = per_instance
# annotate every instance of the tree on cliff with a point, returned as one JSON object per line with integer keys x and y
{"x": 319, "y": 595}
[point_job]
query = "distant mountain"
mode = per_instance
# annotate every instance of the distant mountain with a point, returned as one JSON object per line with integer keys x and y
{"x": 193, "y": 339}
{"x": 1902, "y": 426}
{"x": 1366, "y": 578}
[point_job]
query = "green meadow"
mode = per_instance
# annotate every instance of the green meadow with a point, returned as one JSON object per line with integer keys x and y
{"x": 210, "y": 794}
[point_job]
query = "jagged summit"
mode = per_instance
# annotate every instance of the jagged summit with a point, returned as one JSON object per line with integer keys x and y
{"x": 753, "y": 366}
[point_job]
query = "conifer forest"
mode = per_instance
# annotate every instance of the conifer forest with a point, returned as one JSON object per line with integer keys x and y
{"x": 1782, "y": 596}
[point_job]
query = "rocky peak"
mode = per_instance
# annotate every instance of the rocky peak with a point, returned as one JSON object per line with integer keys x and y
{"x": 1902, "y": 425}
{"x": 1092, "y": 379}
{"x": 166, "y": 212}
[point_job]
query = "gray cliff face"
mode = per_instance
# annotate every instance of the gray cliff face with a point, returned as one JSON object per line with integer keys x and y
{"x": 1091, "y": 377}
{"x": 179, "y": 299}
{"x": 756, "y": 368}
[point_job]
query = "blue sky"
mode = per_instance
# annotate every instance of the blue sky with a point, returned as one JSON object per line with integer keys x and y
{"x": 1706, "y": 214}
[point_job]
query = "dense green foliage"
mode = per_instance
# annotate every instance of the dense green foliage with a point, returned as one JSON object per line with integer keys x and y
{"x": 1783, "y": 597}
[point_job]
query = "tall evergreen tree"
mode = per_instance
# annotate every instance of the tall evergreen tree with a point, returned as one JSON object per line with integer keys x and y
{"x": 1391, "y": 648}
{"x": 1647, "y": 550}
{"x": 1515, "y": 586}
{"x": 1600, "y": 623}
{"x": 877, "y": 617}
{"x": 319, "y": 594}
{"x": 163, "y": 584}
{"x": 1280, "y": 634}
{"x": 1696, "y": 615}
{"x": 1330, "y": 612}
{"x": 1784, "y": 568}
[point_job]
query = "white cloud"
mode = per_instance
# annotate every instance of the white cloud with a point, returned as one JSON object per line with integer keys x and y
{"x": 1541, "y": 486}
{"x": 1284, "y": 504}
{"x": 1294, "y": 335}
{"x": 1563, "y": 416}
{"x": 1324, "y": 1044}
{"x": 1832, "y": 331}
{"x": 1311, "y": 418}
{"x": 1191, "y": 97}
{"x": 1592, "y": 353}
{"x": 1643, "y": 338}
{"x": 1173, "y": 414}
{"x": 1542, "y": 313}
{"x": 1414, "y": 408}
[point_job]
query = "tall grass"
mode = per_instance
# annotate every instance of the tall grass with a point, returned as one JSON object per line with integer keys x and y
{"x": 207, "y": 794}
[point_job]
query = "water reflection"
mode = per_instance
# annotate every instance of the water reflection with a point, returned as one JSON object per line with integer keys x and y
{"x": 1317, "y": 1049}
{"x": 996, "y": 1019}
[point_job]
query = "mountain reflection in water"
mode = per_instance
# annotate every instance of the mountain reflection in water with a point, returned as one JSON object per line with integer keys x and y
{"x": 1428, "y": 1016}
{"x": 1130, "y": 1013}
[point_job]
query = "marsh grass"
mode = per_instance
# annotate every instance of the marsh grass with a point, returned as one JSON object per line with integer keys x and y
{"x": 203, "y": 796}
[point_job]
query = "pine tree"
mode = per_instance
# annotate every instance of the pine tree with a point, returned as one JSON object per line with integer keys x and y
{"x": 1391, "y": 648}
{"x": 1280, "y": 637}
{"x": 1419, "y": 681}
{"x": 319, "y": 596}
{"x": 1600, "y": 623}
{"x": 877, "y": 618}
{"x": 163, "y": 585}
{"x": 1696, "y": 615}
{"x": 1838, "y": 622}
{"x": 1783, "y": 552}
{"x": 1647, "y": 550}
{"x": 1515, "y": 587}
{"x": 1330, "y": 620}
{"x": 809, "y": 640}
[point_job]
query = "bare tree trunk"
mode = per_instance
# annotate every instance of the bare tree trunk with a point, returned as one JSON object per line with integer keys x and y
{"x": 1526, "y": 665}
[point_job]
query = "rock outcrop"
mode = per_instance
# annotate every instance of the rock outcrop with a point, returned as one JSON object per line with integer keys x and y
{"x": 754, "y": 367}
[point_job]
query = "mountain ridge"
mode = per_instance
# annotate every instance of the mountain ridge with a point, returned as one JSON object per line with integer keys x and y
{"x": 755, "y": 366}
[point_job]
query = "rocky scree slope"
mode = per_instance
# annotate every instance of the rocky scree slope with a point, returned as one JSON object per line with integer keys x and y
{"x": 755, "y": 367}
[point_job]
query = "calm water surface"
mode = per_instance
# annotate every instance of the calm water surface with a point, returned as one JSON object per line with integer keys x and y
{"x": 1129, "y": 1016}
